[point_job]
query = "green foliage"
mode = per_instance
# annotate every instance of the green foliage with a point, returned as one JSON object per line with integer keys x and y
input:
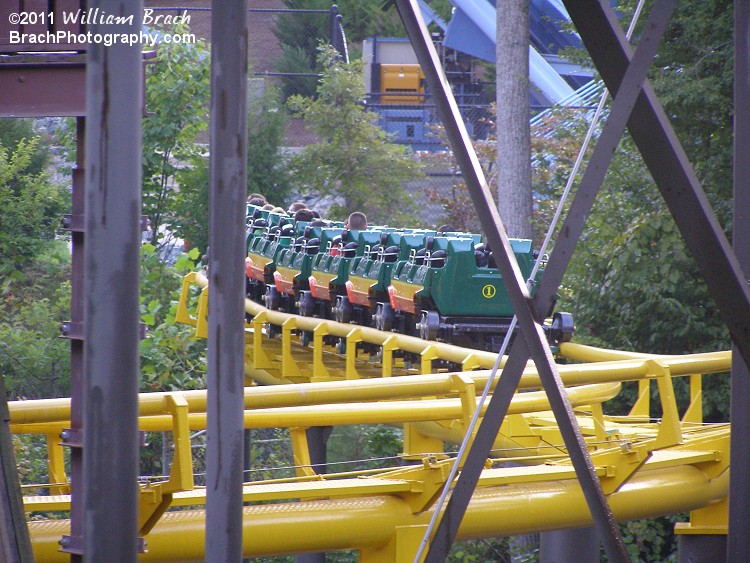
{"x": 355, "y": 161}
{"x": 14, "y": 131}
{"x": 651, "y": 540}
{"x": 32, "y": 207}
{"x": 300, "y": 34}
{"x": 172, "y": 358}
{"x": 456, "y": 203}
{"x": 266, "y": 171}
{"x": 266, "y": 165}
{"x": 33, "y": 357}
{"x": 191, "y": 207}
{"x": 177, "y": 93}
{"x": 482, "y": 551}
{"x": 369, "y": 447}
{"x": 694, "y": 82}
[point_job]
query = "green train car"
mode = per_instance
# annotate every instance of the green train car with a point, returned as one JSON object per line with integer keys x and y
{"x": 438, "y": 286}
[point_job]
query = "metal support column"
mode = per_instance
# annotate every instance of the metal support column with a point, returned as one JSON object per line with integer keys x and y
{"x": 15, "y": 544}
{"x": 317, "y": 441}
{"x": 738, "y": 542}
{"x": 535, "y": 344}
{"x": 114, "y": 92}
{"x": 560, "y": 546}
{"x": 73, "y": 436}
{"x": 226, "y": 317}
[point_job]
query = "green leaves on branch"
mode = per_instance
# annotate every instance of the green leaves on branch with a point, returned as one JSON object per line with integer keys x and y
{"x": 355, "y": 160}
{"x": 172, "y": 359}
{"x": 177, "y": 94}
{"x": 32, "y": 206}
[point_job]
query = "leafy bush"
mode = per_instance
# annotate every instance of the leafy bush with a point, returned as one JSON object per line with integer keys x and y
{"x": 172, "y": 359}
{"x": 356, "y": 161}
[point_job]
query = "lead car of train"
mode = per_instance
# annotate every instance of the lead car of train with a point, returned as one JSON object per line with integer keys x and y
{"x": 441, "y": 286}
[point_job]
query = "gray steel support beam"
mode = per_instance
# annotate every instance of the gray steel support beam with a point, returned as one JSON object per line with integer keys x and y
{"x": 529, "y": 319}
{"x": 668, "y": 164}
{"x": 738, "y": 542}
{"x": 703, "y": 547}
{"x": 114, "y": 88}
{"x": 77, "y": 390}
{"x": 317, "y": 442}
{"x": 15, "y": 544}
{"x": 561, "y": 546}
{"x": 226, "y": 312}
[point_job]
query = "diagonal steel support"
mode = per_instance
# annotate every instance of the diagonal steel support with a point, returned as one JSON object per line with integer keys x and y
{"x": 527, "y": 311}
{"x": 668, "y": 164}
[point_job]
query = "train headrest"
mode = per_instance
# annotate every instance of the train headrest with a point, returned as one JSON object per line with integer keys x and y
{"x": 491, "y": 260}
{"x": 350, "y": 249}
{"x": 483, "y": 256}
{"x": 287, "y": 230}
{"x": 299, "y": 243}
{"x": 373, "y": 251}
{"x": 390, "y": 254}
{"x": 437, "y": 259}
{"x": 383, "y": 238}
{"x": 312, "y": 246}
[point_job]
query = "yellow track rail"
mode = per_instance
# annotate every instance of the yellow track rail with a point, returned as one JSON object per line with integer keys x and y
{"x": 344, "y": 374}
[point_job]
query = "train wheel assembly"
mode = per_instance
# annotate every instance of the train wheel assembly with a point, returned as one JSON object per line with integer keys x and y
{"x": 428, "y": 325}
{"x": 271, "y": 298}
{"x": 342, "y": 310}
{"x": 384, "y": 317}
{"x": 562, "y": 328}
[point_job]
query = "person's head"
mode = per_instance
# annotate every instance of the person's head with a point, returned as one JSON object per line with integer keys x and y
{"x": 279, "y": 210}
{"x": 446, "y": 229}
{"x": 357, "y": 221}
{"x": 259, "y": 202}
{"x": 296, "y": 206}
{"x": 303, "y": 215}
{"x": 257, "y": 196}
{"x": 268, "y": 207}
{"x": 315, "y": 213}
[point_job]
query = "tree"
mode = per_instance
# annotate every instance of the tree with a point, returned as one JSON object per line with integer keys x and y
{"x": 32, "y": 206}
{"x": 456, "y": 203}
{"x": 355, "y": 161}
{"x": 177, "y": 93}
{"x": 694, "y": 82}
{"x": 266, "y": 171}
{"x": 299, "y": 35}
{"x": 512, "y": 126}
{"x": 266, "y": 165}
{"x": 34, "y": 267}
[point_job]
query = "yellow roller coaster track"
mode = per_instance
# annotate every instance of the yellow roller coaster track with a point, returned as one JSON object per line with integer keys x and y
{"x": 314, "y": 372}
